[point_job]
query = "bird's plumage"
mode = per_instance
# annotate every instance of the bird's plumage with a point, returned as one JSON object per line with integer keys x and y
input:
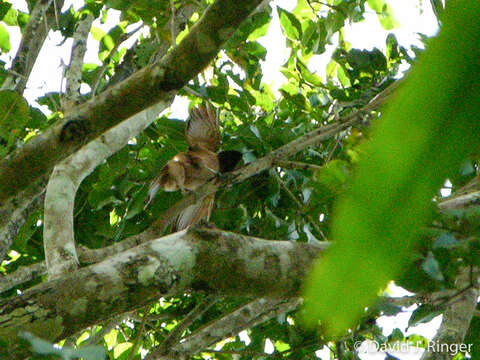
{"x": 190, "y": 169}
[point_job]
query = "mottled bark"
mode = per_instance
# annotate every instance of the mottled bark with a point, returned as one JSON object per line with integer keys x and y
{"x": 58, "y": 231}
{"x": 202, "y": 259}
{"x": 74, "y": 71}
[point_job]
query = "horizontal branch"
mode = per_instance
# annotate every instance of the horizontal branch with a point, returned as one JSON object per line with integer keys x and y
{"x": 204, "y": 259}
{"x": 146, "y": 87}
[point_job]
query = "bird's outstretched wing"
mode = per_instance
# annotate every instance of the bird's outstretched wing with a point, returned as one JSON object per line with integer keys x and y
{"x": 194, "y": 213}
{"x": 203, "y": 128}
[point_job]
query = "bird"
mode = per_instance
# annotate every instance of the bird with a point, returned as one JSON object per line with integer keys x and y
{"x": 188, "y": 170}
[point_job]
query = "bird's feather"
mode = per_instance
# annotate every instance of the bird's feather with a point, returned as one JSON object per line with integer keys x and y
{"x": 194, "y": 213}
{"x": 203, "y": 128}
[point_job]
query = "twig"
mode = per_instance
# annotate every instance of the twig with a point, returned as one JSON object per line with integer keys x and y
{"x": 146, "y": 315}
{"x": 189, "y": 90}
{"x": 298, "y": 203}
{"x": 176, "y": 334}
{"x": 107, "y": 60}
{"x": 22, "y": 275}
{"x": 172, "y": 25}
{"x": 297, "y": 165}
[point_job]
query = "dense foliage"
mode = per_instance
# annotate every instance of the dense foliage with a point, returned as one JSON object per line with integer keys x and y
{"x": 291, "y": 201}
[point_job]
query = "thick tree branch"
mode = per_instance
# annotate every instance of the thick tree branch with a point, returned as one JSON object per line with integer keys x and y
{"x": 456, "y": 319}
{"x": 209, "y": 260}
{"x": 74, "y": 71}
{"x": 89, "y": 120}
{"x": 58, "y": 234}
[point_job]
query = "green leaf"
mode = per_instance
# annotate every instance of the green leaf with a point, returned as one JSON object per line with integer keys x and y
{"x": 262, "y": 25}
{"x": 392, "y": 47}
{"x": 4, "y": 39}
{"x": 473, "y": 337}
{"x": 437, "y": 7}
{"x": 5, "y": 7}
{"x": 290, "y": 24}
{"x": 122, "y": 348}
{"x": 431, "y": 267}
{"x": 22, "y": 20}
{"x": 10, "y": 18}
{"x": 467, "y": 168}
{"x": 97, "y": 33}
{"x": 308, "y": 76}
{"x": 375, "y": 226}
{"x": 26, "y": 231}
{"x": 423, "y": 314}
{"x": 384, "y": 13}
{"x": 14, "y": 114}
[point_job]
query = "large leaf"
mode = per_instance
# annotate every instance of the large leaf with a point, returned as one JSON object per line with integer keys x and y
{"x": 290, "y": 24}
{"x": 432, "y": 120}
{"x": 4, "y": 39}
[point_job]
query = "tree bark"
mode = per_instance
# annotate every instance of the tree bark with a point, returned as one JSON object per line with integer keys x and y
{"x": 202, "y": 259}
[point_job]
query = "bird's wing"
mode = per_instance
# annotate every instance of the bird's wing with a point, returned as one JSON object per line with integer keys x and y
{"x": 203, "y": 129}
{"x": 194, "y": 213}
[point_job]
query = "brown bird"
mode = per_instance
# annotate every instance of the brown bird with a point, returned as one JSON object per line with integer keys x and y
{"x": 190, "y": 169}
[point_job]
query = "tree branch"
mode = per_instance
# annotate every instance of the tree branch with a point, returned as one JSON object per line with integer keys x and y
{"x": 58, "y": 234}
{"x": 456, "y": 319}
{"x": 22, "y": 275}
{"x": 41, "y": 19}
{"x": 87, "y": 121}
{"x": 74, "y": 71}
{"x": 297, "y": 202}
{"x": 98, "y": 77}
{"x": 176, "y": 334}
{"x": 210, "y": 260}
{"x": 247, "y": 316}
{"x": 15, "y": 212}
{"x": 297, "y": 165}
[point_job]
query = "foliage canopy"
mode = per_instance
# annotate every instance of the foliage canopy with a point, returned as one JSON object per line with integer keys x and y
{"x": 384, "y": 169}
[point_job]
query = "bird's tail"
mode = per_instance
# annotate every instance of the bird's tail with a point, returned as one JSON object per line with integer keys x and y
{"x": 194, "y": 213}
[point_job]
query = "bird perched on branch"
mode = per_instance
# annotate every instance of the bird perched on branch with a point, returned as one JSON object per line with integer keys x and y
{"x": 189, "y": 170}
